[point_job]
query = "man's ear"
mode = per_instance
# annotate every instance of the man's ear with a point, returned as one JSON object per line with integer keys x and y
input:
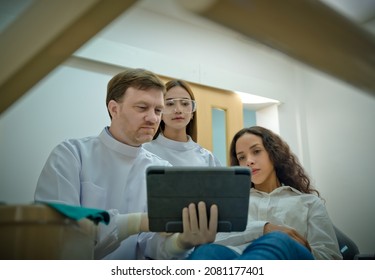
{"x": 113, "y": 108}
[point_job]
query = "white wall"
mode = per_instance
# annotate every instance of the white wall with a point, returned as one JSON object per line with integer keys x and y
{"x": 340, "y": 139}
{"x": 269, "y": 117}
{"x": 69, "y": 103}
{"x": 327, "y": 123}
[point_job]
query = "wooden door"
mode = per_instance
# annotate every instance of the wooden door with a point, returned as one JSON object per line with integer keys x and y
{"x": 211, "y": 99}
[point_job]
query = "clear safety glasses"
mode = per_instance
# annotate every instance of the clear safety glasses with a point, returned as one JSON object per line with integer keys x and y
{"x": 180, "y": 105}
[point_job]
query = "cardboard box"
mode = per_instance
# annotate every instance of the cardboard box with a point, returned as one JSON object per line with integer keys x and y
{"x": 39, "y": 232}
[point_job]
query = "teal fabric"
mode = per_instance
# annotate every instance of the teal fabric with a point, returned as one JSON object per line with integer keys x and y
{"x": 78, "y": 213}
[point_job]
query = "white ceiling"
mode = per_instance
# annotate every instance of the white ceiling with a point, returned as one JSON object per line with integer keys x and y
{"x": 360, "y": 11}
{"x": 10, "y": 10}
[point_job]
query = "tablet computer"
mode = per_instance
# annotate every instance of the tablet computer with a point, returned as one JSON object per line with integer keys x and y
{"x": 171, "y": 188}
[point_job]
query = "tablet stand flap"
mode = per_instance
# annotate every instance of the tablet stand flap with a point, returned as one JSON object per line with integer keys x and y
{"x": 174, "y": 226}
{"x": 224, "y": 226}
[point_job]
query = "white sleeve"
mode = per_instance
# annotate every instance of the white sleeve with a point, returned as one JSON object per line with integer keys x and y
{"x": 161, "y": 246}
{"x": 120, "y": 227}
{"x": 254, "y": 230}
{"x": 321, "y": 234}
{"x": 59, "y": 179}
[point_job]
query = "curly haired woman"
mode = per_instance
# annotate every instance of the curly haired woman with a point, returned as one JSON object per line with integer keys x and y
{"x": 287, "y": 218}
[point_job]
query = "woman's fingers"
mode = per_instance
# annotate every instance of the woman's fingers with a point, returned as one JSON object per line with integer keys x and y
{"x": 290, "y": 231}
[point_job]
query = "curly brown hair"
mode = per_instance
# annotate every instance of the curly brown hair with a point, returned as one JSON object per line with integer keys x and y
{"x": 288, "y": 169}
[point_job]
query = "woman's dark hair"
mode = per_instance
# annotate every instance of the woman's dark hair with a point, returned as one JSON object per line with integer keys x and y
{"x": 191, "y": 128}
{"x": 287, "y": 167}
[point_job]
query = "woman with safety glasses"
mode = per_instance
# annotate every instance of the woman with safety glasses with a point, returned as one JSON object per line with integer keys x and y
{"x": 176, "y": 137}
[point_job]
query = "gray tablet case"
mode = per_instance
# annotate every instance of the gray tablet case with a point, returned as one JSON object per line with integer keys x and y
{"x": 170, "y": 189}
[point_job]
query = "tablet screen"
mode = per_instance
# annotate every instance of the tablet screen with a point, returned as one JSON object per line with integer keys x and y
{"x": 171, "y": 188}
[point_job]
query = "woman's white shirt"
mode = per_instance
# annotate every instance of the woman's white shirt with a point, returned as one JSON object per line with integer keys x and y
{"x": 288, "y": 207}
{"x": 178, "y": 153}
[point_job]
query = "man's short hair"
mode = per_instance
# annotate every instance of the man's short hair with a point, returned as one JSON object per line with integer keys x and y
{"x": 137, "y": 78}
